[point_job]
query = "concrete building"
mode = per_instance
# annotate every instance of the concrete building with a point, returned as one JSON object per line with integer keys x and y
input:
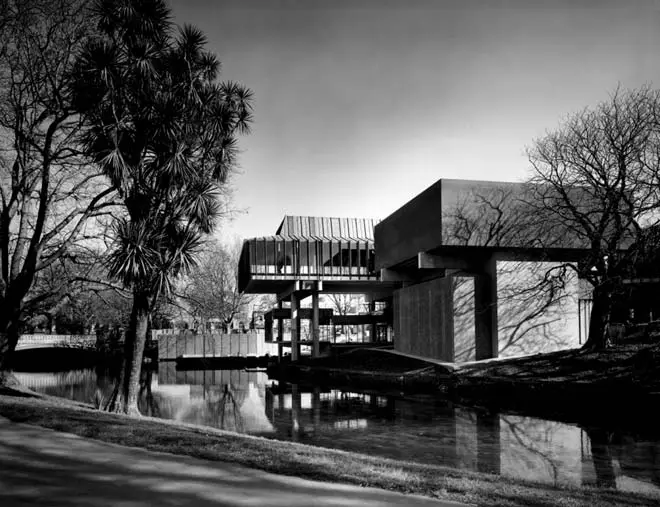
{"x": 307, "y": 257}
{"x": 411, "y": 260}
{"x": 458, "y": 228}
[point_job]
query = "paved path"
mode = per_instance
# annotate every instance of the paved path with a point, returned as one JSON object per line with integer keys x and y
{"x": 44, "y": 467}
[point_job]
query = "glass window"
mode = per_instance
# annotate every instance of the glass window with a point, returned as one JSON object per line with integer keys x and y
{"x": 292, "y": 255}
{"x": 285, "y": 257}
{"x": 304, "y": 257}
{"x": 371, "y": 264}
{"x": 336, "y": 258}
{"x": 257, "y": 254}
{"x": 313, "y": 260}
{"x": 345, "y": 258}
{"x": 270, "y": 257}
{"x": 352, "y": 254}
{"x": 364, "y": 259}
{"x": 326, "y": 257}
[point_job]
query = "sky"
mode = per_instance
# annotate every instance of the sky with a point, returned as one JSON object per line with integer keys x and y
{"x": 360, "y": 105}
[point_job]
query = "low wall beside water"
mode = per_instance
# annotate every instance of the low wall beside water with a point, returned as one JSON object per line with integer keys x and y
{"x": 172, "y": 345}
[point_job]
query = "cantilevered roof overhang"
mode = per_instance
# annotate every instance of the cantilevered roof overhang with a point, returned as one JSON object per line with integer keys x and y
{"x": 456, "y": 224}
{"x": 338, "y": 252}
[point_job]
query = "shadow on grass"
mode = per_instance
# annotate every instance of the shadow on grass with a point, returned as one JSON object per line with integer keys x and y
{"x": 38, "y": 467}
{"x": 8, "y": 391}
{"x": 278, "y": 457}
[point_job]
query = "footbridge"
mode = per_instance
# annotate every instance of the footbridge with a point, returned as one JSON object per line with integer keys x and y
{"x": 59, "y": 341}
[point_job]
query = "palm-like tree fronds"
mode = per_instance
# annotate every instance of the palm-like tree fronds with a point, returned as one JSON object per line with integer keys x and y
{"x": 136, "y": 255}
{"x": 164, "y": 133}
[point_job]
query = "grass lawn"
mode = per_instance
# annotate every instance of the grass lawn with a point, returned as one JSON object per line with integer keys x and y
{"x": 297, "y": 459}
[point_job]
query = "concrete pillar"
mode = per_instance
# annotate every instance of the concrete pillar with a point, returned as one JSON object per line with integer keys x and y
{"x": 280, "y": 334}
{"x": 485, "y": 311}
{"x": 295, "y": 328}
{"x": 315, "y": 324}
{"x": 372, "y": 329}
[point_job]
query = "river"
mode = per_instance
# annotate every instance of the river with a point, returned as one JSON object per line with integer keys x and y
{"x": 419, "y": 429}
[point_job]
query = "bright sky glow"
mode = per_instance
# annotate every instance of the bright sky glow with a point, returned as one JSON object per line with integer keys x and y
{"x": 362, "y": 104}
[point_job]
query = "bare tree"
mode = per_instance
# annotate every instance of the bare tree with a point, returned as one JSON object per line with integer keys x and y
{"x": 533, "y": 297}
{"x": 597, "y": 175}
{"x": 211, "y": 290}
{"x": 73, "y": 294}
{"x": 345, "y": 304}
{"x": 47, "y": 192}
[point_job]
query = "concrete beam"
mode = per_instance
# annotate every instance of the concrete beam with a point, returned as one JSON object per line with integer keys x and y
{"x": 392, "y": 275}
{"x": 311, "y": 285}
{"x": 285, "y": 294}
{"x": 444, "y": 261}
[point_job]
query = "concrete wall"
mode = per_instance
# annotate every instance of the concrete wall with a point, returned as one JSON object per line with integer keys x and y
{"x": 423, "y": 320}
{"x": 171, "y": 346}
{"x": 471, "y": 213}
{"x": 415, "y": 227}
{"x": 526, "y": 323}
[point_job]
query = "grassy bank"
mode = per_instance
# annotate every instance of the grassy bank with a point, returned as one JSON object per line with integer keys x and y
{"x": 297, "y": 459}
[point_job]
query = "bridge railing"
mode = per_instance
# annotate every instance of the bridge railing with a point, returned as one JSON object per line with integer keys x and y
{"x": 62, "y": 340}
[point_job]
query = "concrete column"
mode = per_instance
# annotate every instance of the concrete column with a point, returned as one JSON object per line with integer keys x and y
{"x": 295, "y": 328}
{"x": 280, "y": 334}
{"x": 315, "y": 324}
{"x": 372, "y": 309}
{"x": 485, "y": 311}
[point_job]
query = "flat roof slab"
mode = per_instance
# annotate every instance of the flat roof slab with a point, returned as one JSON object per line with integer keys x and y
{"x": 461, "y": 217}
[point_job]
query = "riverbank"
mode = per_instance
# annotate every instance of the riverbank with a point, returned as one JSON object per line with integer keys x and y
{"x": 614, "y": 386}
{"x": 617, "y": 385}
{"x": 297, "y": 459}
{"x": 368, "y": 369}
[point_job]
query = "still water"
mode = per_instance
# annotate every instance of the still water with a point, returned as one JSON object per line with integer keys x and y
{"x": 425, "y": 430}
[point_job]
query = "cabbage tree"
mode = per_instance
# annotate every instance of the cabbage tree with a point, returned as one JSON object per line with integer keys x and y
{"x": 163, "y": 129}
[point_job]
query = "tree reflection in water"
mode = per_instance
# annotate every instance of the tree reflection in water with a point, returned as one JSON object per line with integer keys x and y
{"x": 229, "y": 413}
{"x": 421, "y": 430}
{"x": 602, "y": 457}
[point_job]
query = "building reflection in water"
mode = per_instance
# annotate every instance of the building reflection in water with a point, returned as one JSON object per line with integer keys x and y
{"x": 424, "y": 430}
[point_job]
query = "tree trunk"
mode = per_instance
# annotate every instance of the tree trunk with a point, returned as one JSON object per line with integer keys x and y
{"x": 9, "y": 334}
{"x": 600, "y": 318}
{"x": 125, "y": 398}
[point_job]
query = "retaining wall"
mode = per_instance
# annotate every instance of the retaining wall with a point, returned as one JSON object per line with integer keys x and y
{"x": 171, "y": 346}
